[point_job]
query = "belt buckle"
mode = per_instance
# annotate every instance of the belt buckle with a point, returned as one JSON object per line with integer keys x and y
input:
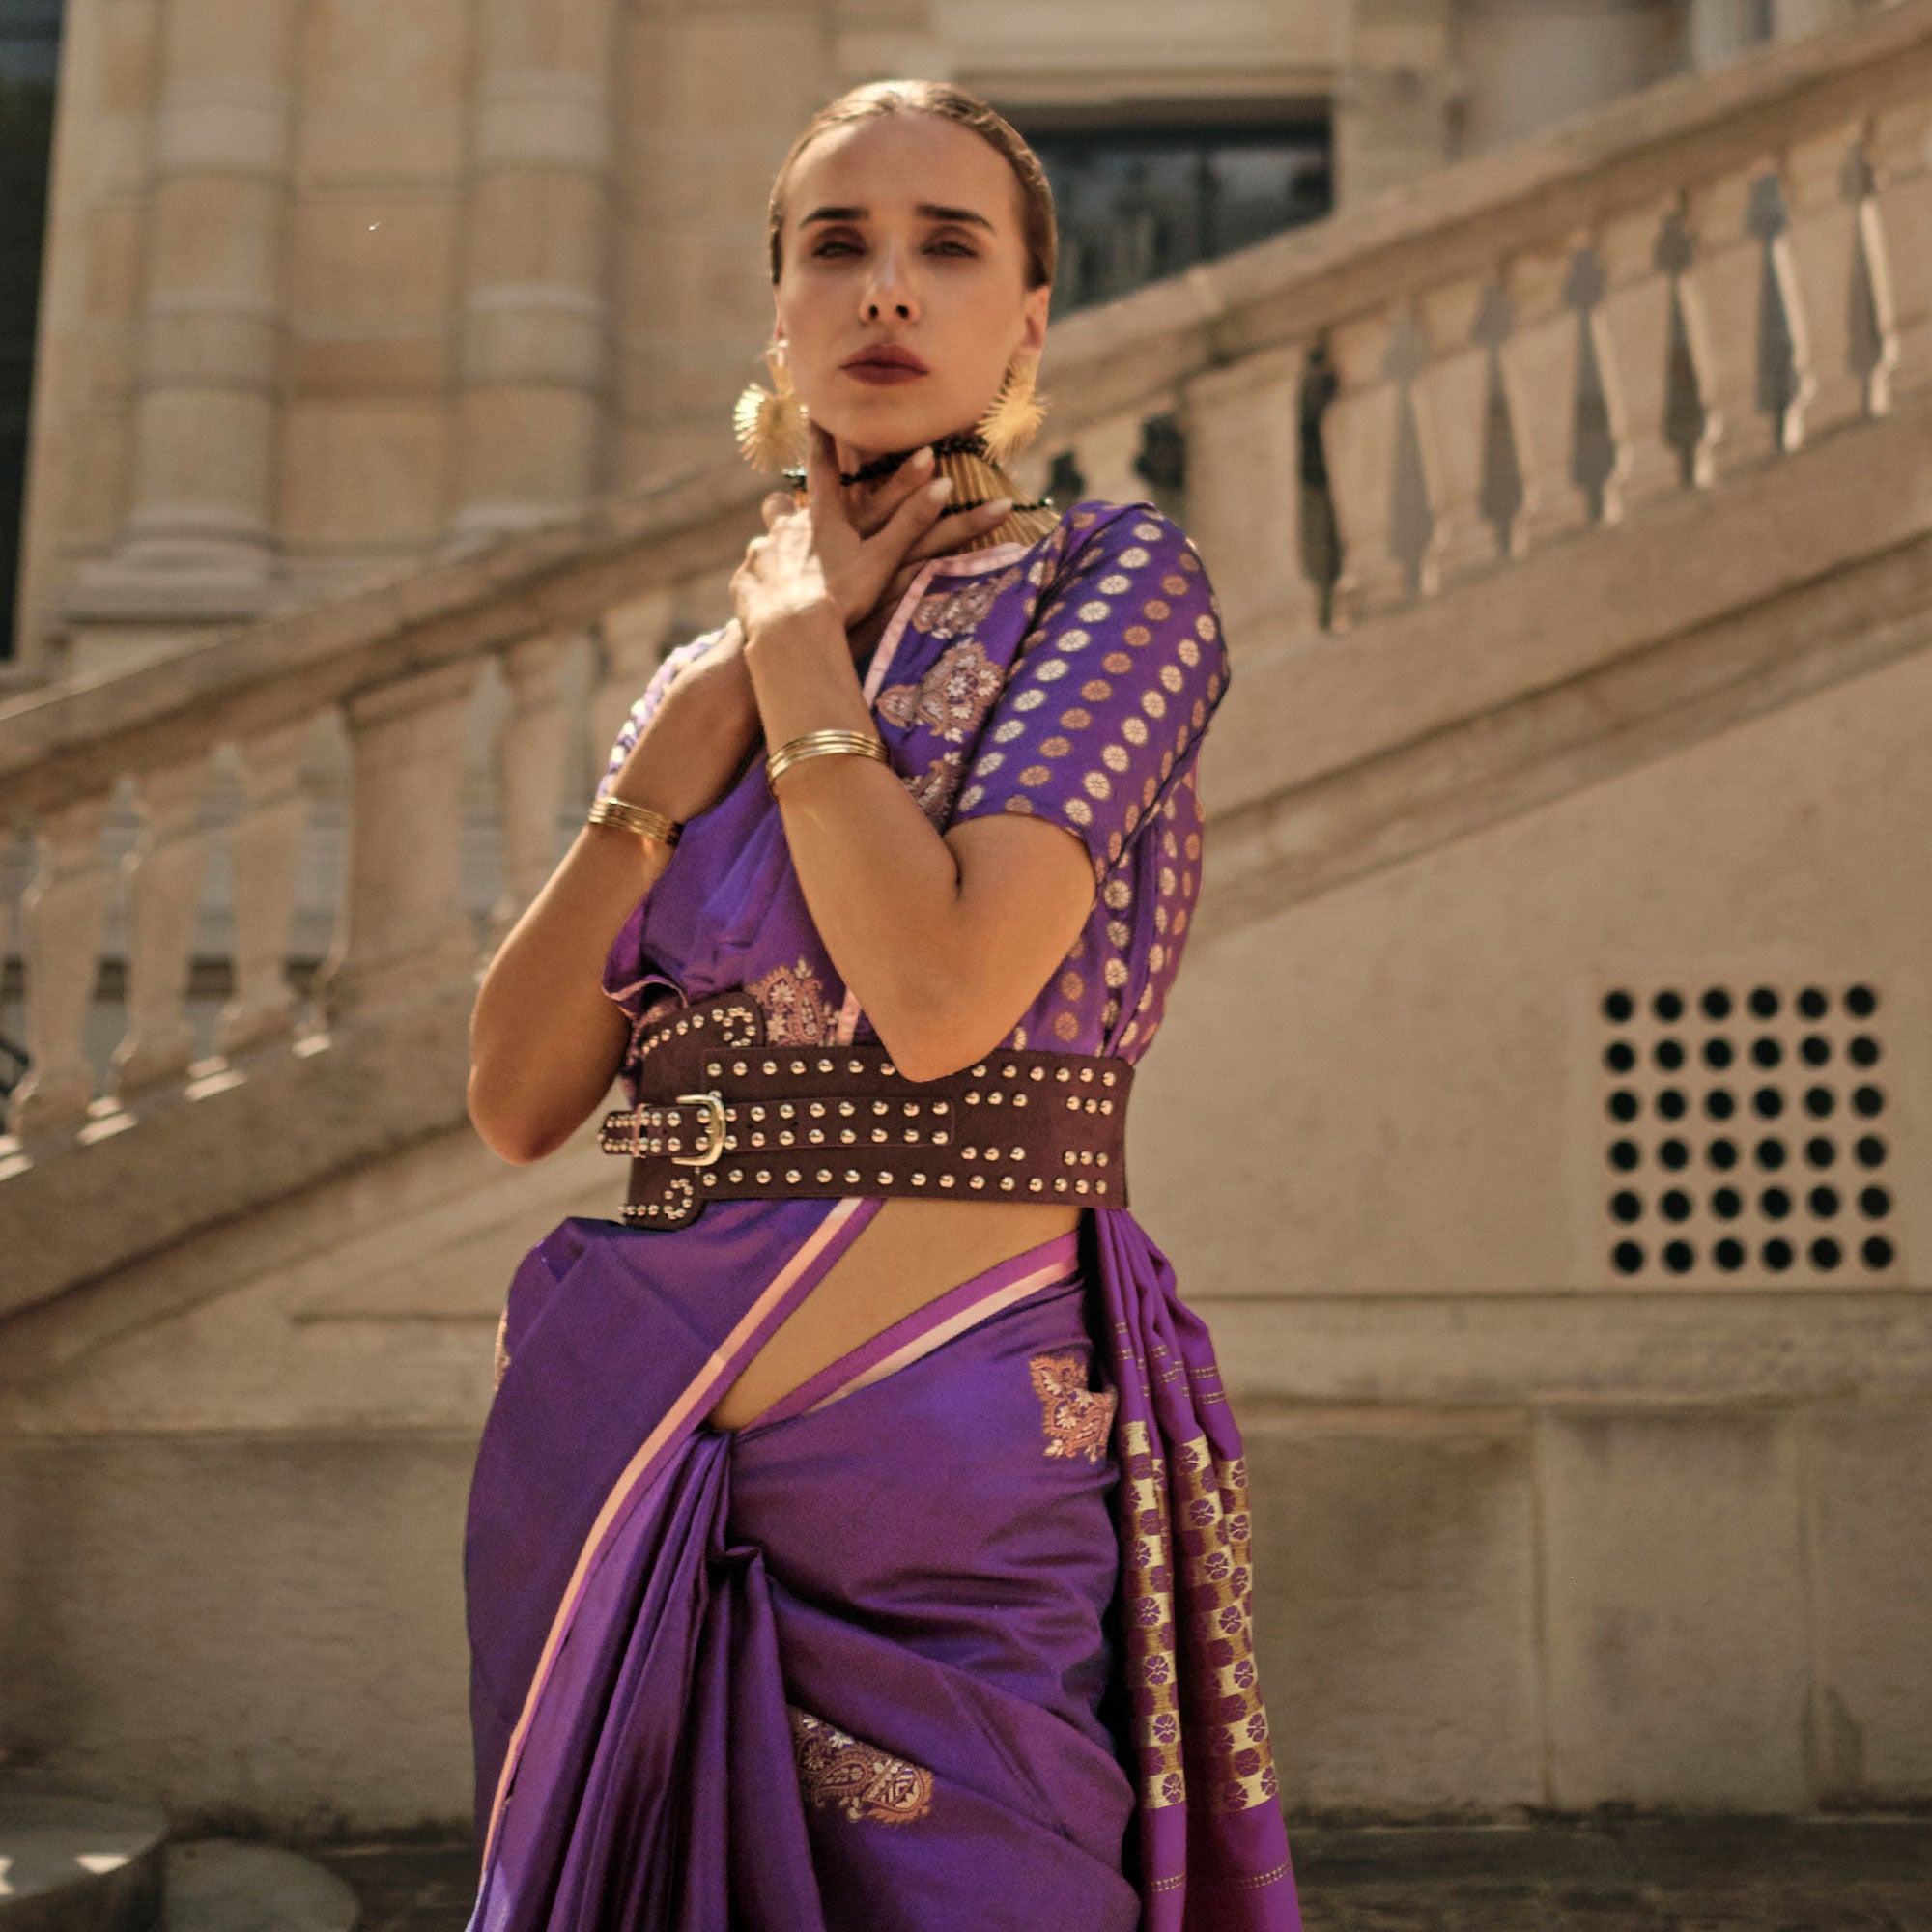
{"x": 713, "y": 1146}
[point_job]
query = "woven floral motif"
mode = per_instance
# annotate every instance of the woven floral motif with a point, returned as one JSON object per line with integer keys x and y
{"x": 870, "y": 1785}
{"x": 950, "y": 698}
{"x": 796, "y": 1012}
{"x": 954, "y": 613}
{"x": 933, "y": 789}
{"x": 1075, "y": 1419}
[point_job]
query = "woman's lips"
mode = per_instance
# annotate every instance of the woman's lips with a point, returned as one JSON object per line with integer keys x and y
{"x": 883, "y": 373}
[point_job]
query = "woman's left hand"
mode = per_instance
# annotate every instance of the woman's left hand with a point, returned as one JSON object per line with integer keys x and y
{"x": 817, "y": 556}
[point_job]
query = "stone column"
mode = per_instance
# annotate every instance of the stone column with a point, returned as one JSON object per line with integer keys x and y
{"x": 402, "y": 928}
{"x": 535, "y": 322}
{"x": 199, "y": 543}
{"x": 1244, "y": 494}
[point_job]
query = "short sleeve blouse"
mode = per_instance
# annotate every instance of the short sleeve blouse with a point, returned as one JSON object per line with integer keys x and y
{"x": 1071, "y": 681}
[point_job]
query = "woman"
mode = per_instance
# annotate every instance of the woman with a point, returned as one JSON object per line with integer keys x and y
{"x": 858, "y": 1537}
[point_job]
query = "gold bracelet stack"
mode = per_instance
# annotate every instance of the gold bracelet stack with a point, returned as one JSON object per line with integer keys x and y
{"x": 639, "y": 818}
{"x": 822, "y": 744}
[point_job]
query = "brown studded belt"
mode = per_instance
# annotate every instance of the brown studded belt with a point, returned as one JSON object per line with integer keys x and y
{"x": 723, "y": 1113}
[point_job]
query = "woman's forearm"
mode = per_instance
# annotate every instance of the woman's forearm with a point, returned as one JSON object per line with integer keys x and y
{"x": 884, "y": 889}
{"x": 545, "y": 1039}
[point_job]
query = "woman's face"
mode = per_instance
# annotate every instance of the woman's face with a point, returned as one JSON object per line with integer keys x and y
{"x": 902, "y": 238}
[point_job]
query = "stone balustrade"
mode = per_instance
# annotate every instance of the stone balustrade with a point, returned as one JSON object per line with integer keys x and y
{"x": 1651, "y": 302}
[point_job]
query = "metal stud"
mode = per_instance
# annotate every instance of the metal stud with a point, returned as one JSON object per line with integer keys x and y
{"x": 881, "y": 1107}
{"x": 792, "y": 1176}
{"x": 787, "y": 1138}
{"x": 979, "y": 1072}
{"x": 847, "y": 1137}
{"x": 817, "y": 1136}
{"x": 1061, "y": 1074}
{"x": 1010, "y": 1071}
{"x": 764, "y": 1176}
{"x": 855, "y": 1066}
{"x": 1019, "y": 1100}
{"x": 919, "y": 1180}
{"x": 1019, "y": 1153}
{"x": 846, "y": 1109}
{"x": 788, "y": 1111}
{"x": 710, "y": 1180}
{"x": 1080, "y": 1186}
{"x": 1037, "y": 1073}
{"x": 817, "y": 1109}
{"x": 1099, "y": 1187}
{"x": 1006, "y": 1183}
{"x": 851, "y": 1173}
{"x": 738, "y": 1066}
{"x": 825, "y": 1174}
{"x": 1036, "y": 1185}
{"x": 969, "y": 1153}
{"x": 825, "y": 1067}
{"x": 878, "y": 1134}
{"x": 911, "y": 1108}
{"x": 713, "y": 1069}
{"x": 994, "y": 1099}
{"x": 976, "y": 1181}
{"x": 771, "y": 1067}
{"x": 1106, "y": 1080}
{"x": 946, "y": 1180}
{"x": 973, "y": 1099}
{"x": 737, "y": 1174}
{"x": 885, "y": 1179}
{"x": 1087, "y": 1074}
{"x": 758, "y": 1113}
{"x": 887, "y": 1068}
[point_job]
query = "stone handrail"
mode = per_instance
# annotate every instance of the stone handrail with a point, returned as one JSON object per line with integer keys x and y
{"x": 1646, "y": 303}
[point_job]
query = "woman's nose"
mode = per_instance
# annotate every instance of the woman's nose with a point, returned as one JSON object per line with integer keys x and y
{"x": 887, "y": 293}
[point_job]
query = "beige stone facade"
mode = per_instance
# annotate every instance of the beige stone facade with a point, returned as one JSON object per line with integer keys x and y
{"x": 336, "y": 287}
{"x": 1593, "y": 657}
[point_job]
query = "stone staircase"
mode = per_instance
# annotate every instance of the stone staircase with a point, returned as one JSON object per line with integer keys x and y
{"x": 73, "y": 1861}
{"x": 1573, "y": 462}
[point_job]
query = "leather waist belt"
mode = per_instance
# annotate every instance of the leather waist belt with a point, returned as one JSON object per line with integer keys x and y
{"x": 722, "y": 1115}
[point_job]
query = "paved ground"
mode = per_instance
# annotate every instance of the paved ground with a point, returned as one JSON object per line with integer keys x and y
{"x": 1638, "y": 1875}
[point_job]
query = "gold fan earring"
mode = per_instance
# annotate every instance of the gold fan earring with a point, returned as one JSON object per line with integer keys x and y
{"x": 1014, "y": 418}
{"x": 771, "y": 425}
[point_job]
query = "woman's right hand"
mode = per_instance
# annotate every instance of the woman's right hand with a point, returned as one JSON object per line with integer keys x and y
{"x": 692, "y": 749}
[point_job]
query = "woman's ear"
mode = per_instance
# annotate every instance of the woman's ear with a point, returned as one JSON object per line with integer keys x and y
{"x": 1032, "y": 339}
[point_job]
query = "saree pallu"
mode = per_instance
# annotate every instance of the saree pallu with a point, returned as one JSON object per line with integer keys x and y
{"x": 955, "y": 1635}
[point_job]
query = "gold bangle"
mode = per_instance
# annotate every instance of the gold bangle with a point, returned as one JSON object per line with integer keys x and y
{"x": 639, "y": 818}
{"x": 822, "y": 744}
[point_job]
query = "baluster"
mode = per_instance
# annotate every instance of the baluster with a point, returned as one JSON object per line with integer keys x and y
{"x": 402, "y": 926}
{"x": 1898, "y": 238}
{"x": 163, "y": 872}
{"x": 1451, "y": 394}
{"x": 633, "y": 636}
{"x": 529, "y": 767}
{"x": 265, "y": 853}
{"x": 1631, "y": 321}
{"x": 1105, "y": 453}
{"x": 1539, "y": 361}
{"x": 1244, "y": 428}
{"x": 1358, "y": 445}
{"x": 1722, "y": 290}
{"x": 61, "y": 917}
{"x": 1823, "y": 186}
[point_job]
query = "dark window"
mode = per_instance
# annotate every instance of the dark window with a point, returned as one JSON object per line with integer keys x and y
{"x": 29, "y": 57}
{"x": 1139, "y": 202}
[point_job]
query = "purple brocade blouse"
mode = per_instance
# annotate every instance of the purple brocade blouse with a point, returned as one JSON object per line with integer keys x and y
{"x": 1071, "y": 681}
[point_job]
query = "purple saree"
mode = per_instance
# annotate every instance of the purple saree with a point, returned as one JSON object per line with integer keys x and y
{"x": 957, "y": 1634}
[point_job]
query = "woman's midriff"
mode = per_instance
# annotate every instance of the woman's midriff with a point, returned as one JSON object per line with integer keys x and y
{"x": 910, "y": 1253}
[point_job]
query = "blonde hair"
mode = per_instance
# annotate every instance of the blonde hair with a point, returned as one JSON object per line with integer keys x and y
{"x": 1037, "y": 227}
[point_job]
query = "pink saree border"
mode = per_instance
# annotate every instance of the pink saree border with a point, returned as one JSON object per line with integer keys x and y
{"x": 813, "y": 1256}
{"x": 929, "y": 1327}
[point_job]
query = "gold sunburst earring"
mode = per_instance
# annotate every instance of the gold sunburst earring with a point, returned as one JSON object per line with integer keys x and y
{"x": 771, "y": 425}
{"x": 1014, "y": 418}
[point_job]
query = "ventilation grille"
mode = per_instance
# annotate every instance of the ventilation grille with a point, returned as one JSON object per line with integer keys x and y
{"x": 1747, "y": 1135}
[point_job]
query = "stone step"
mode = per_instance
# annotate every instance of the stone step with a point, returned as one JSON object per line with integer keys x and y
{"x": 76, "y": 1862}
{"x": 222, "y": 1884}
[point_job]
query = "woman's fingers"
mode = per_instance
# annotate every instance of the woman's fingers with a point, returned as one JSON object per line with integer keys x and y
{"x": 876, "y": 505}
{"x": 778, "y": 504}
{"x": 950, "y": 532}
{"x": 910, "y": 521}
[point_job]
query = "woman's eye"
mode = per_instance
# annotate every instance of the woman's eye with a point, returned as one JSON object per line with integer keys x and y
{"x": 835, "y": 247}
